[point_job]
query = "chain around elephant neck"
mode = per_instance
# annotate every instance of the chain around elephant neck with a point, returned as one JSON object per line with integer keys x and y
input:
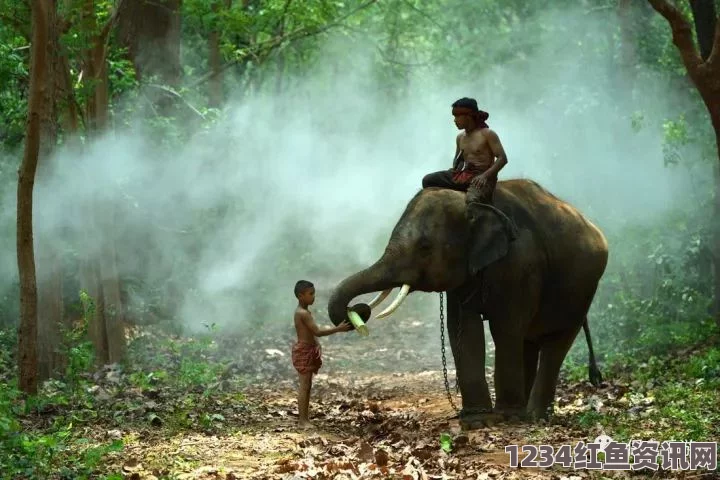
{"x": 444, "y": 360}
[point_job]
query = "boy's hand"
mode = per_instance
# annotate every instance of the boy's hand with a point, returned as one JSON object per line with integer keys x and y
{"x": 344, "y": 326}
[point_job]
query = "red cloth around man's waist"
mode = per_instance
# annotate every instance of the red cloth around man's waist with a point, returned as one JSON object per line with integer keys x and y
{"x": 464, "y": 176}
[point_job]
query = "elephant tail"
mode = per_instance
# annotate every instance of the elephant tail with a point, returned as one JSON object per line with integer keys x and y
{"x": 593, "y": 371}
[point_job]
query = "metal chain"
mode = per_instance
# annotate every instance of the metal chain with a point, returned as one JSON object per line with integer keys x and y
{"x": 444, "y": 360}
{"x": 459, "y": 347}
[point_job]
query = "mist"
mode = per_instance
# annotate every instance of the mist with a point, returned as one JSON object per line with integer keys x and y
{"x": 310, "y": 182}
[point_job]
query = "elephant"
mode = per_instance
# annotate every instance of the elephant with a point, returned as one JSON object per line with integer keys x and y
{"x": 530, "y": 266}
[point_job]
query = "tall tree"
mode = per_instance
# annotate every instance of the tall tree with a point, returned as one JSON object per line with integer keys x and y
{"x": 49, "y": 271}
{"x": 215, "y": 84}
{"x": 703, "y": 68}
{"x": 27, "y": 334}
{"x": 150, "y": 29}
{"x": 628, "y": 38}
{"x": 280, "y": 33}
{"x": 100, "y": 277}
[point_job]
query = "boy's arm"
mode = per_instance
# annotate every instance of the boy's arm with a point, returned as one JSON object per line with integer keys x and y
{"x": 309, "y": 322}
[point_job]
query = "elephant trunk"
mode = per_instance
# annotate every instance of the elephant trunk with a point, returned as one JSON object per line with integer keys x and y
{"x": 372, "y": 279}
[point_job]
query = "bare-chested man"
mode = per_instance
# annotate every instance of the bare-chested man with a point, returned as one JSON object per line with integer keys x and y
{"x": 306, "y": 352}
{"x": 479, "y": 155}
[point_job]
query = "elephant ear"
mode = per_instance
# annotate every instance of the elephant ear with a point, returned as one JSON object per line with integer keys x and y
{"x": 491, "y": 233}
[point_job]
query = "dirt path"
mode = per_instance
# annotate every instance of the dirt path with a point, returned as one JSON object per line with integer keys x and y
{"x": 367, "y": 426}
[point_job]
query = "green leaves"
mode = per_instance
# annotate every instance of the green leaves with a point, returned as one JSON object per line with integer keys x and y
{"x": 446, "y": 442}
{"x": 14, "y": 60}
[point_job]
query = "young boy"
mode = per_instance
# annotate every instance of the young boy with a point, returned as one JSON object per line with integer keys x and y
{"x": 306, "y": 352}
{"x": 479, "y": 155}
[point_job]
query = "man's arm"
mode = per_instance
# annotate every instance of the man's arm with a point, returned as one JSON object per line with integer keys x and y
{"x": 497, "y": 150}
{"x": 309, "y": 322}
{"x": 458, "y": 153}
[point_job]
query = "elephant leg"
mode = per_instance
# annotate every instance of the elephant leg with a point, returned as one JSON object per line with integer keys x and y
{"x": 531, "y": 351}
{"x": 467, "y": 340}
{"x": 552, "y": 354}
{"x": 509, "y": 374}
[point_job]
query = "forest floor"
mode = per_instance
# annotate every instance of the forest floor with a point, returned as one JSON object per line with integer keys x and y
{"x": 379, "y": 409}
{"x": 366, "y": 426}
{"x": 223, "y": 407}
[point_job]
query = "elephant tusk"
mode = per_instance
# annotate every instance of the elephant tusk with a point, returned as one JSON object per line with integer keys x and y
{"x": 379, "y": 298}
{"x": 396, "y": 303}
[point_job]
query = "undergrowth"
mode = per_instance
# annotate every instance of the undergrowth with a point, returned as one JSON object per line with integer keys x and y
{"x": 39, "y": 435}
{"x": 166, "y": 383}
{"x": 669, "y": 397}
{"x": 654, "y": 336}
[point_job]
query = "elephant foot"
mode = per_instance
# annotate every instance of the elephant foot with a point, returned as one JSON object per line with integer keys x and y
{"x": 540, "y": 414}
{"x": 513, "y": 415}
{"x": 473, "y": 419}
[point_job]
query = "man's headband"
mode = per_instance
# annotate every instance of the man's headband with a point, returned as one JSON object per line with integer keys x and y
{"x": 464, "y": 111}
{"x": 480, "y": 116}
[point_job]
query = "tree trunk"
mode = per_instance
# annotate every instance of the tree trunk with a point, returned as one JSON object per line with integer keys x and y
{"x": 628, "y": 39}
{"x": 95, "y": 316}
{"x": 112, "y": 308}
{"x": 51, "y": 308}
{"x": 50, "y": 311}
{"x": 110, "y": 284}
{"x": 68, "y": 110}
{"x": 89, "y": 270}
{"x": 215, "y": 83}
{"x": 279, "y": 33}
{"x": 95, "y": 65}
{"x": 715, "y": 117}
{"x": 49, "y": 264}
{"x": 27, "y": 334}
{"x": 100, "y": 276}
{"x": 150, "y": 29}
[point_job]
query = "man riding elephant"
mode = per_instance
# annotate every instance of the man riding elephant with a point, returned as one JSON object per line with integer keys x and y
{"x": 479, "y": 156}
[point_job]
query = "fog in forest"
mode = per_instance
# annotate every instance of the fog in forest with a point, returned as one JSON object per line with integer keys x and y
{"x": 309, "y": 183}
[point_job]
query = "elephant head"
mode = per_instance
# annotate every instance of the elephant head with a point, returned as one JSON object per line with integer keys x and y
{"x": 431, "y": 249}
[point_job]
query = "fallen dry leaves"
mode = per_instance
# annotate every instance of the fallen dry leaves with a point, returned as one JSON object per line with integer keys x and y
{"x": 364, "y": 430}
{"x": 368, "y": 425}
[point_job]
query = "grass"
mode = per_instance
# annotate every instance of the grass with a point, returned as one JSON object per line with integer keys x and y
{"x": 674, "y": 395}
{"x": 60, "y": 433}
